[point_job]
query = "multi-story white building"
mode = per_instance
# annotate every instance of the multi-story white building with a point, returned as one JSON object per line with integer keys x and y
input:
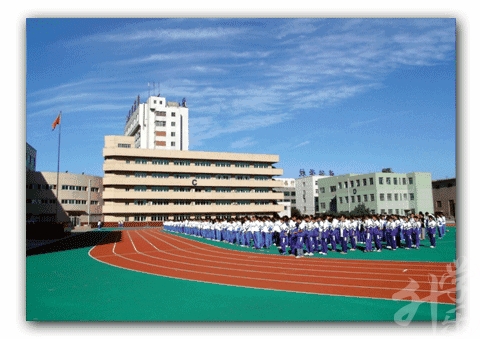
{"x": 158, "y": 124}
{"x": 381, "y": 192}
{"x": 288, "y": 200}
{"x": 306, "y": 191}
{"x": 149, "y": 185}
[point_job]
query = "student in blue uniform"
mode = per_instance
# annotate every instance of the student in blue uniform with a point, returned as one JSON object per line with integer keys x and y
{"x": 432, "y": 230}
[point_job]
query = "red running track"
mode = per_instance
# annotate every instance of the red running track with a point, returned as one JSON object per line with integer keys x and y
{"x": 164, "y": 254}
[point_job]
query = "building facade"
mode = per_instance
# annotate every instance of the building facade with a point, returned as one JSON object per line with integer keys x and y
{"x": 445, "y": 196}
{"x": 306, "y": 190}
{"x": 158, "y": 124}
{"x": 31, "y": 158}
{"x": 392, "y": 193}
{"x": 289, "y": 199}
{"x": 79, "y": 197}
{"x": 156, "y": 185}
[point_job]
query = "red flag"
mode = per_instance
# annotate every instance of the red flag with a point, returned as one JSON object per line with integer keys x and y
{"x": 56, "y": 122}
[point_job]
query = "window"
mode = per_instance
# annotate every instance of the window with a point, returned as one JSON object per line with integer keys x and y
{"x": 389, "y": 196}
{"x": 346, "y": 200}
{"x": 140, "y": 202}
{"x": 322, "y": 205}
{"x": 371, "y": 181}
{"x": 160, "y": 123}
{"x": 389, "y": 182}
{"x": 286, "y": 194}
{"x": 346, "y": 184}
{"x": 396, "y": 197}
{"x": 404, "y": 196}
{"x": 173, "y": 123}
{"x": 404, "y": 181}
{"x": 261, "y": 190}
{"x": 203, "y": 163}
{"x": 365, "y": 197}
{"x": 382, "y": 211}
{"x": 140, "y": 188}
{"x": 159, "y": 189}
{"x": 395, "y": 181}
{"x": 140, "y": 175}
{"x": 351, "y": 183}
{"x": 242, "y": 190}
{"x": 365, "y": 182}
{"x": 382, "y": 197}
{"x": 260, "y": 177}
{"x": 372, "y": 197}
{"x": 139, "y": 218}
{"x": 160, "y": 175}
{"x": 439, "y": 204}
{"x": 410, "y": 181}
{"x": 123, "y": 145}
{"x": 390, "y": 211}
{"x": 203, "y": 176}
{"x": 172, "y": 143}
{"x": 181, "y": 176}
{"x": 260, "y": 165}
{"x": 173, "y": 114}
{"x": 140, "y": 161}
{"x": 353, "y": 199}
{"x": 412, "y": 196}
{"x": 161, "y": 114}
{"x": 242, "y": 164}
{"x": 380, "y": 180}
{"x": 322, "y": 189}
{"x": 358, "y": 182}
{"x": 222, "y": 164}
{"x": 160, "y": 162}
{"x": 159, "y": 202}
{"x": 181, "y": 189}
{"x": 339, "y": 186}
{"x": 172, "y": 134}
{"x": 222, "y": 177}
{"x": 242, "y": 177}
{"x": 397, "y": 211}
{"x": 181, "y": 162}
{"x": 223, "y": 190}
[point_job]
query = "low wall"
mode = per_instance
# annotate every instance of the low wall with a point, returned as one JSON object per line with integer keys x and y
{"x": 129, "y": 224}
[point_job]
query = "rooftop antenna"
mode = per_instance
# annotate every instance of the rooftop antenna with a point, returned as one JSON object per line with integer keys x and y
{"x": 148, "y": 89}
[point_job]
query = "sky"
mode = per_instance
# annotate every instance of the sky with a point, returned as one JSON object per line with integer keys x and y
{"x": 346, "y": 95}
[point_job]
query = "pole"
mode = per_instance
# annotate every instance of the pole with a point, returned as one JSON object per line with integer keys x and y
{"x": 89, "y": 201}
{"x": 58, "y": 165}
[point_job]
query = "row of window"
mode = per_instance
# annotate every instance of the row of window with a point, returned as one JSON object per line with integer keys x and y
{"x": 63, "y": 201}
{"x": 203, "y": 163}
{"x": 144, "y": 202}
{"x": 197, "y": 176}
{"x": 370, "y": 181}
{"x": 143, "y": 188}
{"x": 64, "y": 187}
{"x": 41, "y": 186}
{"x": 364, "y": 198}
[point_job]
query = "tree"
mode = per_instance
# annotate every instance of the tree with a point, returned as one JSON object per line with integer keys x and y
{"x": 360, "y": 210}
{"x": 321, "y": 172}
{"x": 311, "y": 172}
{"x": 330, "y": 173}
{"x": 295, "y": 212}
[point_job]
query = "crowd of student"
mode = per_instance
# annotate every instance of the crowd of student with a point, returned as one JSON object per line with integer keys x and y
{"x": 319, "y": 234}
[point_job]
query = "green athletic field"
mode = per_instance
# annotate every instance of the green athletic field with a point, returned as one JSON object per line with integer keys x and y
{"x": 64, "y": 284}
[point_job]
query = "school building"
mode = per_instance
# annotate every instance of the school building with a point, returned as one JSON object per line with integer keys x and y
{"x": 307, "y": 193}
{"x": 154, "y": 184}
{"x": 445, "y": 196}
{"x": 381, "y": 192}
{"x": 77, "y": 198}
{"x": 289, "y": 199}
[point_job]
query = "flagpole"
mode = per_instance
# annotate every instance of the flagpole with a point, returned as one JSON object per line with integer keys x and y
{"x": 58, "y": 164}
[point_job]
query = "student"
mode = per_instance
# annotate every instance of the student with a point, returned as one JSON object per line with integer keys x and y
{"x": 300, "y": 231}
{"x": 432, "y": 229}
{"x": 331, "y": 232}
{"x": 324, "y": 229}
{"x": 308, "y": 236}
{"x": 407, "y": 232}
{"x": 368, "y": 225}
{"x": 316, "y": 234}
{"x": 284, "y": 236}
{"x": 377, "y": 233}
{"x": 353, "y": 234}
{"x": 391, "y": 231}
{"x": 343, "y": 228}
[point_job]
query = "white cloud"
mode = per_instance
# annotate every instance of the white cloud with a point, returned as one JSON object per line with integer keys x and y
{"x": 301, "y": 144}
{"x": 242, "y": 143}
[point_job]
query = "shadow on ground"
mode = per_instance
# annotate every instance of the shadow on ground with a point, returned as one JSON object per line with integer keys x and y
{"x": 87, "y": 239}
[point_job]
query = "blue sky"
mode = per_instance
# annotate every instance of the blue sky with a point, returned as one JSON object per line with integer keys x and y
{"x": 347, "y": 95}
